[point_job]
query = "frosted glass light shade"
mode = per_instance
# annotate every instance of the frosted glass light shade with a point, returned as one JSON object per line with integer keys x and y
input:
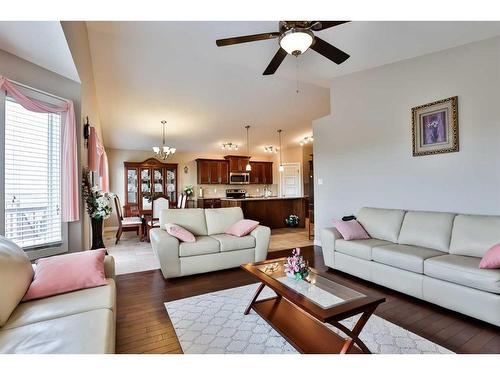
{"x": 296, "y": 42}
{"x": 248, "y": 168}
{"x": 281, "y": 168}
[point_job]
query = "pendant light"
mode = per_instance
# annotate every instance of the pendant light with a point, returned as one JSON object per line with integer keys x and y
{"x": 163, "y": 151}
{"x": 248, "y": 167}
{"x": 281, "y": 168}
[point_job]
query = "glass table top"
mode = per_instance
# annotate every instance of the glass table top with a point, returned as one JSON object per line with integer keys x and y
{"x": 316, "y": 288}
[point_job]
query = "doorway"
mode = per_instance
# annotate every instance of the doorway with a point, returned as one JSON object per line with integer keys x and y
{"x": 291, "y": 180}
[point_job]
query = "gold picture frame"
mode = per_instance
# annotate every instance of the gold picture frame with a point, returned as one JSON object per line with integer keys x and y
{"x": 435, "y": 127}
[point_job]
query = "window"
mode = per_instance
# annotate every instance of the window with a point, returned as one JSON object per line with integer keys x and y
{"x": 32, "y": 177}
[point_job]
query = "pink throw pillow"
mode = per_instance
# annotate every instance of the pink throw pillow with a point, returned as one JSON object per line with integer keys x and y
{"x": 491, "y": 259}
{"x": 242, "y": 227}
{"x": 351, "y": 230}
{"x": 180, "y": 233}
{"x": 67, "y": 273}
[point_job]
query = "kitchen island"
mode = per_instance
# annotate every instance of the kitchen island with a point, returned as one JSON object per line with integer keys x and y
{"x": 271, "y": 211}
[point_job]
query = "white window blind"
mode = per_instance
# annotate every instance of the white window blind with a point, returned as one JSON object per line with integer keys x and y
{"x": 32, "y": 177}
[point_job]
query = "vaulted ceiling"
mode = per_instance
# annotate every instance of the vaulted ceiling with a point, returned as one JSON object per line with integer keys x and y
{"x": 149, "y": 71}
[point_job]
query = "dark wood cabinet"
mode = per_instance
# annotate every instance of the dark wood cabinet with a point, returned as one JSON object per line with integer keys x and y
{"x": 212, "y": 171}
{"x": 237, "y": 163}
{"x": 146, "y": 179}
{"x": 261, "y": 173}
{"x": 209, "y": 203}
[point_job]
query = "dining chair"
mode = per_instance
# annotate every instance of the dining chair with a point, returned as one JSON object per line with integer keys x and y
{"x": 126, "y": 224}
{"x": 160, "y": 203}
{"x": 183, "y": 201}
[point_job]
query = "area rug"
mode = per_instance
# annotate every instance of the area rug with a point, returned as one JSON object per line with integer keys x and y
{"x": 214, "y": 323}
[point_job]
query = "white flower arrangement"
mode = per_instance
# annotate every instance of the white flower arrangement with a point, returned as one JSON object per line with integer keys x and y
{"x": 99, "y": 204}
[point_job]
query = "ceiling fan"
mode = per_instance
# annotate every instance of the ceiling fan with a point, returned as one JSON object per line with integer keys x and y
{"x": 295, "y": 37}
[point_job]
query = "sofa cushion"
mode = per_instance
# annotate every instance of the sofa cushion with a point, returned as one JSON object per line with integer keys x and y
{"x": 491, "y": 259}
{"x": 192, "y": 219}
{"x": 102, "y": 297}
{"x": 16, "y": 274}
{"x": 67, "y": 273}
{"x": 90, "y": 332}
{"x": 203, "y": 245}
{"x": 381, "y": 223}
{"x": 179, "y": 232}
{"x": 230, "y": 243}
{"x": 427, "y": 229}
{"x": 220, "y": 219}
{"x": 358, "y": 248}
{"x": 405, "y": 257}
{"x": 242, "y": 227}
{"x": 351, "y": 230}
{"x": 474, "y": 235}
{"x": 463, "y": 270}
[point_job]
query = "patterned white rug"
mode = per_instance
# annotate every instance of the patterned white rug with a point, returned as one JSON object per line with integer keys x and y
{"x": 214, "y": 323}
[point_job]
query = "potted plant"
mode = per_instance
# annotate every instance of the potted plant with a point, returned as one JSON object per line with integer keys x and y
{"x": 292, "y": 221}
{"x": 99, "y": 207}
{"x": 296, "y": 266}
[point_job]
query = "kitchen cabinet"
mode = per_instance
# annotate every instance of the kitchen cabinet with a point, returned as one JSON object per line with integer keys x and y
{"x": 261, "y": 173}
{"x": 147, "y": 179}
{"x": 237, "y": 164}
{"x": 209, "y": 203}
{"x": 212, "y": 171}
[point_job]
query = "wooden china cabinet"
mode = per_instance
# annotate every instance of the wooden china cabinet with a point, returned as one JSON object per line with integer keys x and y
{"x": 145, "y": 178}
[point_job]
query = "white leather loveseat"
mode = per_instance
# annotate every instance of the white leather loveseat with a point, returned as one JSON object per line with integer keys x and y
{"x": 433, "y": 256}
{"x": 213, "y": 250}
{"x": 81, "y": 322}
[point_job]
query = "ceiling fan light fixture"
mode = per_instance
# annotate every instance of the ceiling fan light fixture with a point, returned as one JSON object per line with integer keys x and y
{"x": 296, "y": 41}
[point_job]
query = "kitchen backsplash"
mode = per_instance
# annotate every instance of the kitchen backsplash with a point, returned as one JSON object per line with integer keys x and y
{"x": 219, "y": 191}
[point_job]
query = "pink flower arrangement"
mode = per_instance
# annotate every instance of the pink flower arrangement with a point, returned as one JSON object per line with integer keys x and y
{"x": 296, "y": 266}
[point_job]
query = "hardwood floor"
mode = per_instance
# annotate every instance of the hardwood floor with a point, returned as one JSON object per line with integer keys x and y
{"x": 143, "y": 325}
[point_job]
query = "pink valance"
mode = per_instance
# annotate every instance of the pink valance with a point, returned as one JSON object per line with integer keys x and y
{"x": 98, "y": 160}
{"x": 70, "y": 186}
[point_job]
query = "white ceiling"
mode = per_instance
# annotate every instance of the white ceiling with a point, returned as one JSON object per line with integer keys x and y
{"x": 149, "y": 71}
{"x": 41, "y": 42}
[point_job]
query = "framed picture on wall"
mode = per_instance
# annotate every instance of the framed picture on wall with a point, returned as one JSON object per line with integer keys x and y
{"x": 435, "y": 127}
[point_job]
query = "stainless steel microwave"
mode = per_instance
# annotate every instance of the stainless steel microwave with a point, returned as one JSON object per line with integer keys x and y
{"x": 240, "y": 178}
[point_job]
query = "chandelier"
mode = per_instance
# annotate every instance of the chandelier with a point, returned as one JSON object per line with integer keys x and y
{"x": 230, "y": 146}
{"x": 271, "y": 149}
{"x": 163, "y": 151}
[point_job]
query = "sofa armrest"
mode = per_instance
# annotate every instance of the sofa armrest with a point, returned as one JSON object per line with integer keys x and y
{"x": 328, "y": 238}
{"x": 166, "y": 249}
{"x": 109, "y": 267}
{"x": 262, "y": 236}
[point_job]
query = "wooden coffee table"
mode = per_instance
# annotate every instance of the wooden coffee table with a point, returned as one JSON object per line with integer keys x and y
{"x": 301, "y": 309}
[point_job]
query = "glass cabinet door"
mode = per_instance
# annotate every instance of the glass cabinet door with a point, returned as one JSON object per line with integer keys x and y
{"x": 158, "y": 180}
{"x": 132, "y": 186}
{"x": 146, "y": 189}
{"x": 171, "y": 185}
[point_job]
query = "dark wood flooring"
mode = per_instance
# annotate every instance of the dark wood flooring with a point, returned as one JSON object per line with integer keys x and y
{"x": 143, "y": 325}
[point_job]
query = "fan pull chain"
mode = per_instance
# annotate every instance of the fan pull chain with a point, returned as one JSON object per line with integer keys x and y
{"x": 297, "y": 73}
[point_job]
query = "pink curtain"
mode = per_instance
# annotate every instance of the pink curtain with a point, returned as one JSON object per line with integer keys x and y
{"x": 98, "y": 160}
{"x": 70, "y": 186}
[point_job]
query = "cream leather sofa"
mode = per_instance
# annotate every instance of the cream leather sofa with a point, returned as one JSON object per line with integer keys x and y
{"x": 433, "y": 256}
{"x": 81, "y": 322}
{"x": 213, "y": 250}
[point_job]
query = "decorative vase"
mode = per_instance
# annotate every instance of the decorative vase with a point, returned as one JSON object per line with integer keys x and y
{"x": 97, "y": 241}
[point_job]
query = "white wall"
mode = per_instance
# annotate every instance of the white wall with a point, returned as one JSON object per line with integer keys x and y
{"x": 362, "y": 152}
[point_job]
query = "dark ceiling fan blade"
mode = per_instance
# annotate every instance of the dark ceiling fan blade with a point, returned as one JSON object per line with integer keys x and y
{"x": 329, "y": 51}
{"x": 322, "y": 25}
{"x": 275, "y": 62}
{"x": 245, "y": 39}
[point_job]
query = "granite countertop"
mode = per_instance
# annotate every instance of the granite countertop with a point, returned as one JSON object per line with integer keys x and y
{"x": 259, "y": 198}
